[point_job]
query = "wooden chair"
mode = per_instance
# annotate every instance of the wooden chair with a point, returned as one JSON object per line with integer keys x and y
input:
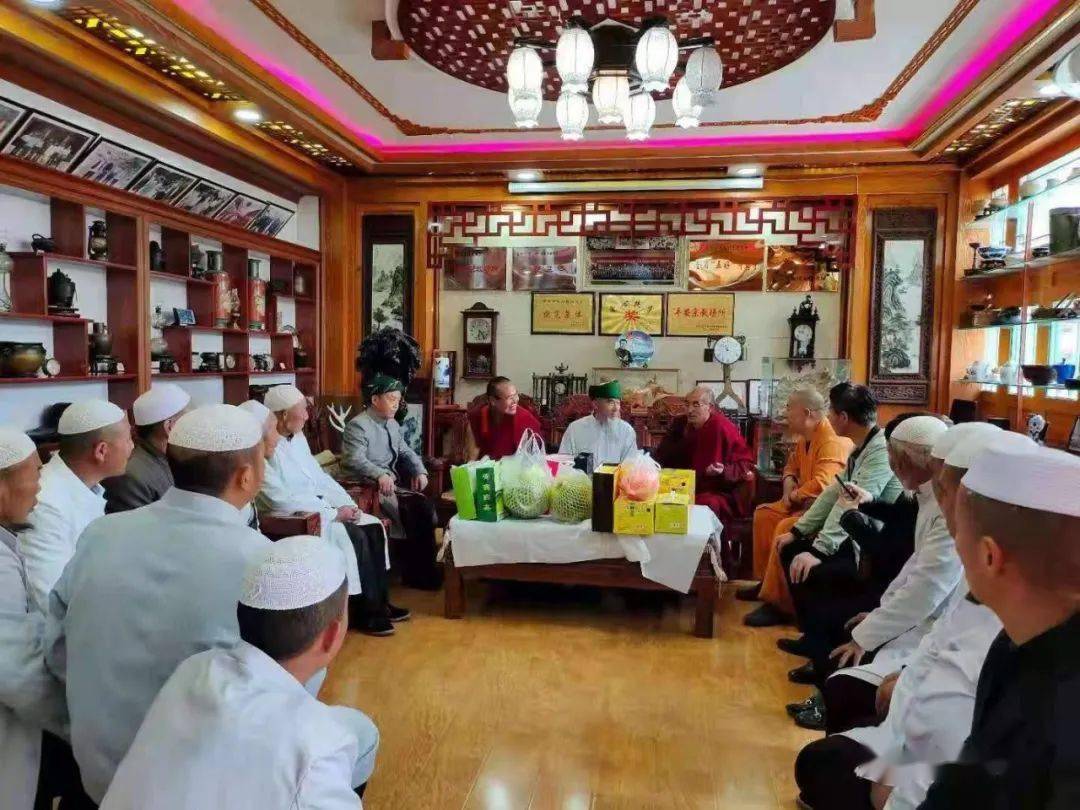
{"x": 658, "y": 421}
{"x": 573, "y": 407}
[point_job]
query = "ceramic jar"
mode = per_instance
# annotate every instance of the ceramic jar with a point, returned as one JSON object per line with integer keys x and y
{"x": 97, "y": 243}
{"x": 21, "y": 359}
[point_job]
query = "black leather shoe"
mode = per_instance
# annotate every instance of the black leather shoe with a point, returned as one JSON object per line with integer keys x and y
{"x": 749, "y": 593}
{"x": 376, "y": 626}
{"x": 812, "y": 719}
{"x": 764, "y": 616}
{"x": 804, "y": 674}
{"x": 794, "y": 709}
{"x": 397, "y": 614}
{"x": 794, "y": 646}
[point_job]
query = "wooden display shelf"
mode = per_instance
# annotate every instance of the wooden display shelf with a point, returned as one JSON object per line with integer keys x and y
{"x": 306, "y": 370}
{"x": 61, "y": 257}
{"x": 66, "y": 378}
{"x": 165, "y": 275}
{"x": 35, "y": 316}
{"x": 1034, "y": 322}
{"x": 1065, "y": 257}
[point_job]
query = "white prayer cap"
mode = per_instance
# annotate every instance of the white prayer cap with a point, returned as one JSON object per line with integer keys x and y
{"x": 1045, "y": 480}
{"x": 282, "y": 397}
{"x": 163, "y": 401}
{"x": 973, "y": 445}
{"x": 256, "y": 409}
{"x": 15, "y": 446}
{"x": 216, "y": 429}
{"x": 90, "y": 414}
{"x": 293, "y": 573}
{"x": 954, "y": 434}
{"x": 922, "y": 430}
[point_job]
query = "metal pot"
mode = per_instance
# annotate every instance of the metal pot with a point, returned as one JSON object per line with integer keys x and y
{"x": 42, "y": 244}
{"x": 100, "y": 340}
{"x": 21, "y": 359}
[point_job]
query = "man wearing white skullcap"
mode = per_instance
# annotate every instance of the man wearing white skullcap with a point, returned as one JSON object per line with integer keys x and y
{"x": 147, "y": 476}
{"x": 1018, "y": 534}
{"x": 930, "y": 702}
{"x": 31, "y": 699}
{"x": 149, "y": 587}
{"x": 265, "y": 417}
{"x": 235, "y": 728}
{"x": 295, "y": 482}
{"x": 95, "y": 443}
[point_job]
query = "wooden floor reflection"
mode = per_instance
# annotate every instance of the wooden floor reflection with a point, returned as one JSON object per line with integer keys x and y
{"x": 547, "y": 698}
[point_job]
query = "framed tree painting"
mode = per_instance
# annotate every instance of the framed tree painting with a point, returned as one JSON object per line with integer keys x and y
{"x": 902, "y": 304}
{"x": 388, "y": 272}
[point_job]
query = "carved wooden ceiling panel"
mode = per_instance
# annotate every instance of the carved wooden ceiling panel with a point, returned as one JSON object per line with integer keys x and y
{"x": 471, "y": 39}
{"x": 998, "y": 122}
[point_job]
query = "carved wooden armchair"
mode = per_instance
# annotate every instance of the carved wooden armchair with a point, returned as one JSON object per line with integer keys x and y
{"x": 573, "y": 407}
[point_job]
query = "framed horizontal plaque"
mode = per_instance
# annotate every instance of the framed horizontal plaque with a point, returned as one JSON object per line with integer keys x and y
{"x": 563, "y": 313}
{"x": 700, "y": 314}
{"x": 625, "y": 312}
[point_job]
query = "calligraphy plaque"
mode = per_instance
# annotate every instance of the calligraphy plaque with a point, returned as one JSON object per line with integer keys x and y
{"x": 625, "y": 312}
{"x": 700, "y": 314}
{"x": 562, "y": 313}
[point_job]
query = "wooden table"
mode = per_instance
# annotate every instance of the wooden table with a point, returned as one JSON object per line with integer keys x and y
{"x": 610, "y": 573}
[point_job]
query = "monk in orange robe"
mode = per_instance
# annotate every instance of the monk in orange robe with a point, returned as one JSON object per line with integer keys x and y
{"x": 818, "y": 456}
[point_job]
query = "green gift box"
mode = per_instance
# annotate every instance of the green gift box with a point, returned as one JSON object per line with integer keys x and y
{"x": 478, "y": 491}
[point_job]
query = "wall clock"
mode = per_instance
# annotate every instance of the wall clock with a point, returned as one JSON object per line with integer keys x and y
{"x": 478, "y": 342}
{"x": 803, "y": 322}
{"x": 727, "y": 351}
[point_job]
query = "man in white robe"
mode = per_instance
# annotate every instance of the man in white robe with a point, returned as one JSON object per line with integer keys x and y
{"x": 150, "y": 587}
{"x": 31, "y": 699}
{"x": 604, "y": 434}
{"x": 235, "y": 728}
{"x": 265, "y": 417}
{"x": 296, "y": 482}
{"x": 95, "y": 444}
{"x": 929, "y": 703}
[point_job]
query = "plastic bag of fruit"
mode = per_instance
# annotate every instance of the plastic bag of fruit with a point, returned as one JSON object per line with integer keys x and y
{"x": 571, "y": 497}
{"x": 639, "y": 477}
{"x": 526, "y": 478}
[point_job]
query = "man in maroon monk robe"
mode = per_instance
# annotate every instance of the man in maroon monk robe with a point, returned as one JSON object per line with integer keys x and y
{"x": 707, "y": 442}
{"x": 495, "y": 429}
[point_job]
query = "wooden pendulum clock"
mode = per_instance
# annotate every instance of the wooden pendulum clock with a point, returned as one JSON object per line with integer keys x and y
{"x": 478, "y": 324}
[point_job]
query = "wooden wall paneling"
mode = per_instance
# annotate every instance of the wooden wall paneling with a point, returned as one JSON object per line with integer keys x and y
{"x": 126, "y": 310}
{"x": 70, "y": 347}
{"x": 68, "y": 227}
{"x": 29, "y": 290}
{"x": 341, "y": 285}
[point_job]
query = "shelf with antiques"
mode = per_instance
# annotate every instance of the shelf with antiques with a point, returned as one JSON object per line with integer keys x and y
{"x": 84, "y": 266}
{"x": 779, "y": 377}
{"x": 1017, "y": 310}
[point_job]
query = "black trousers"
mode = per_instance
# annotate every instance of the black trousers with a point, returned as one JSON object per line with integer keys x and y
{"x": 825, "y": 773}
{"x": 368, "y": 542}
{"x": 849, "y": 703}
{"x": 415, "y": 555}
{"x": 59, "y": 777}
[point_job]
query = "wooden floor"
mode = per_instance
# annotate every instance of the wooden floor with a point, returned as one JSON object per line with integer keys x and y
{"x": 553, "y": 698}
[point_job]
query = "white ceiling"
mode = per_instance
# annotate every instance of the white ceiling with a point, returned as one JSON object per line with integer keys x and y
{"x": 833, "y": 78}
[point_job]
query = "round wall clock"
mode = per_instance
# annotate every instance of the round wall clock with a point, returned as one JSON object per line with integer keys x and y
{"x": 52, "y": 367}
{"x": 727, "y": 350}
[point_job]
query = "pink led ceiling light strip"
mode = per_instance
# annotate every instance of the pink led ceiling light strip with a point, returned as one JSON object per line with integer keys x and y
{"x": 1012, "y": 30}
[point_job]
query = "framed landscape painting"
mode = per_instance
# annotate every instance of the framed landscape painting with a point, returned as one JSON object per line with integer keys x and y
{"x": 112, "y": 164}
{"x": 48, "y": 142}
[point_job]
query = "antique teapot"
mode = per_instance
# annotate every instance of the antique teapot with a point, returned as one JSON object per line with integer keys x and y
{"x": 61, "y": 294}
{"x": 42, "y": 244}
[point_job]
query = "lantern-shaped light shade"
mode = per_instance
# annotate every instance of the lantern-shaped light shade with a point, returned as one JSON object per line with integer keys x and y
{"x": 704, "y": 74}
{"x": 526, "y": 109}
{"x": 656, "y": 56}
{"x": 524, "y": 72}
{"x": 574, "y": 59}
{"x": 639, "y": 115}
{"x": 610, "y": 93}
{"x": 687, "y": 114}
{"x": 572, "y": 113}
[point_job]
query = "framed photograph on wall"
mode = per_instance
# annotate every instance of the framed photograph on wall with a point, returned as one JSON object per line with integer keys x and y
{"x": 112, "y": 164}
{"x": 10, "y": 113}
{"x": 48, "y": 141}
{"x": 388, "y": 272}
{"x": 205, "y": 198}
{"x": 624, "y": 261}
{"x": 902, "y": 304}
{"x": 240, "y": 211}
{"x": 700, "y": 314}
{"x": 625, "y": 312}
{"x": 732, "y": 265}
{"x": 551, "y": 267}
{"x": 473, "y": 267}
{"x": 562, "y": 314}
{"x": 271, "y": 220}
{"x": 163, "y": 183}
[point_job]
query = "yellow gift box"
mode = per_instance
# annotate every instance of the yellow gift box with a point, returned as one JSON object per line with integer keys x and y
{"x": 633, "y": 517}
{"x": 682, "y": 482}
{"x": 672, "y": 513}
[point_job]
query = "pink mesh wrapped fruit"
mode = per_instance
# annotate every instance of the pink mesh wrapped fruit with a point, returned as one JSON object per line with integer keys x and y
{"x": 639, "y": 478}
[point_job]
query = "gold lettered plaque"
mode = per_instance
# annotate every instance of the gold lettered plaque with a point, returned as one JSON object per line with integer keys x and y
{"x": 622, "y": 312}
{"x": 700, "y": 314}
{"x": 562, "y": 313}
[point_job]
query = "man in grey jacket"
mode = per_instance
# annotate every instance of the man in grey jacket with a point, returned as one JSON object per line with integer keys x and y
{"x": 375, "y": 449}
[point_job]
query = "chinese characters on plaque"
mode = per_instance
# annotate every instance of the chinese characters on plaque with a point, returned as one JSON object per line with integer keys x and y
{"x": 562, "y": 313}
{"x": 700, "y": 314}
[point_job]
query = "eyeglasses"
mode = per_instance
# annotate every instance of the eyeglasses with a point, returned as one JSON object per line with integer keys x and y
{"x": 510, "y": 397}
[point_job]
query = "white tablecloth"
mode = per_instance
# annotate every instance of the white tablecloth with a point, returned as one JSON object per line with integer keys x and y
{"x": 670, "y": 559}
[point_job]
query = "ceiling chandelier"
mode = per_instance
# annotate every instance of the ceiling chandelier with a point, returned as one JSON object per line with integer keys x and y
{"x": 623, "y": 66}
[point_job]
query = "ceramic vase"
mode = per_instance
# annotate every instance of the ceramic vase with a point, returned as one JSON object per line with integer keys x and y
{"x": 97, "y": 243}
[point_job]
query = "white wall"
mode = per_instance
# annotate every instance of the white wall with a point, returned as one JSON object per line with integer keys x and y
{"x": 760, "y": 317}
{"x": 302, "y": 229}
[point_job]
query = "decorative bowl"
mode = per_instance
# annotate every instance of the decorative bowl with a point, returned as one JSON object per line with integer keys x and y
{"x": 1031, "y": 187}
{"x": 992, "y": 252}
{"x": 1039, "y": 375}
{"x": 21, "y": 359}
